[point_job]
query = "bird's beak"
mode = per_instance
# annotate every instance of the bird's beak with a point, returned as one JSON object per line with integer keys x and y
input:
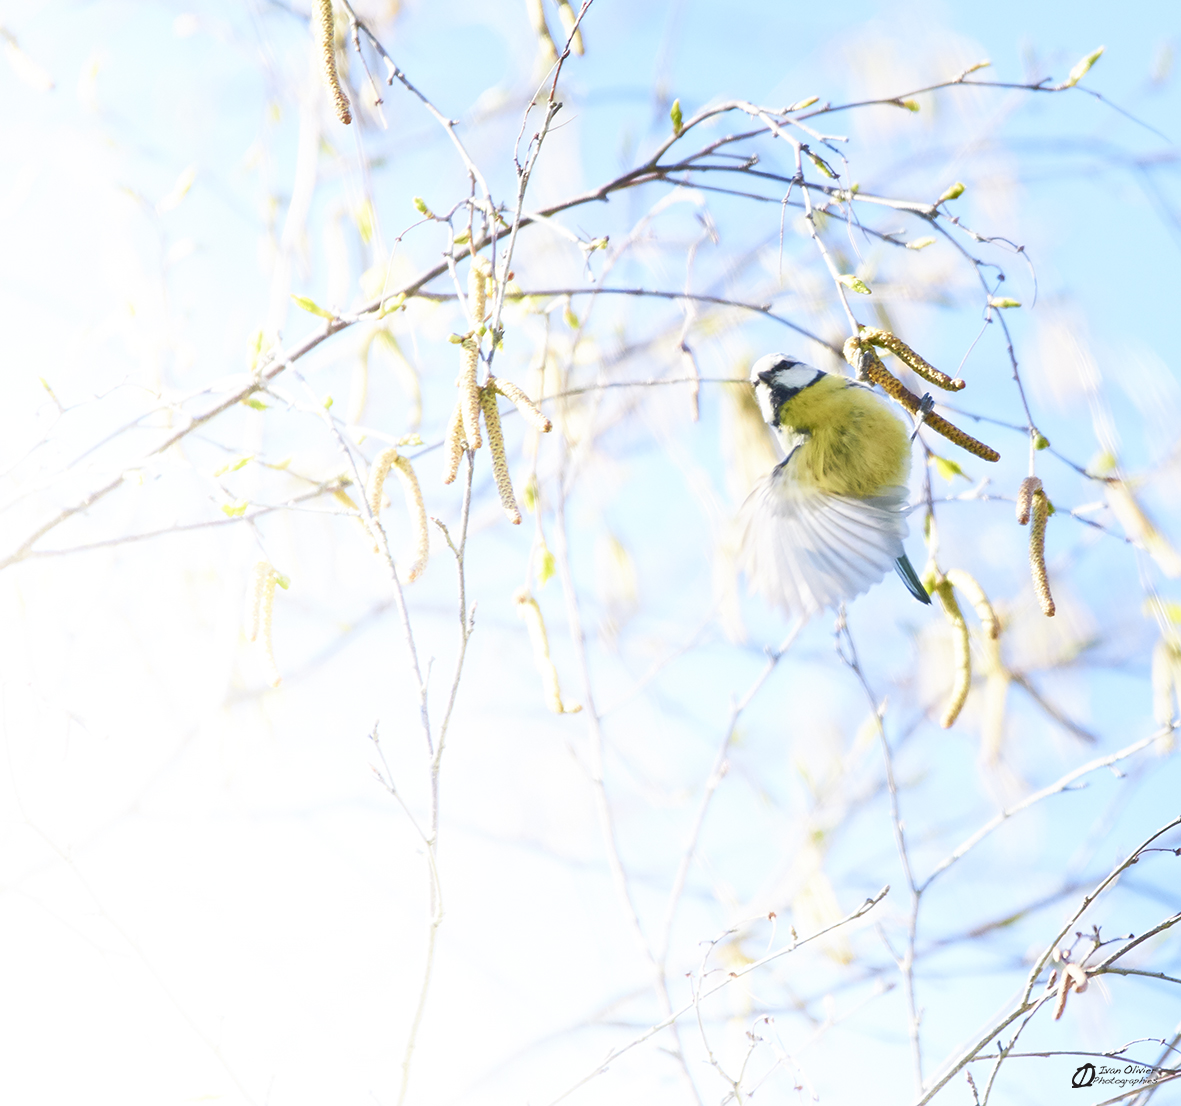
{"x": 767, "y": 377}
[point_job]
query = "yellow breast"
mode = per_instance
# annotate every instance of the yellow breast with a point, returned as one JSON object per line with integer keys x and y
{"x": 855, "y": 444}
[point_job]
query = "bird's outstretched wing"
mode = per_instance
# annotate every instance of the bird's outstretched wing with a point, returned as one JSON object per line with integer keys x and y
{"x": 806, "y": 550}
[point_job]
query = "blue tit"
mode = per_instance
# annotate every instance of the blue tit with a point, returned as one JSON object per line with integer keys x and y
{"x": 826, "y": 523}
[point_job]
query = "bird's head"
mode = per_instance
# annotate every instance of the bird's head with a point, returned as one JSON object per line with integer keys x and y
{"x": 776, "y": 378}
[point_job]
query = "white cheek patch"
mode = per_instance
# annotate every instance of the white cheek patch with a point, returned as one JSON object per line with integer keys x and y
{"x": 763, "y": 396}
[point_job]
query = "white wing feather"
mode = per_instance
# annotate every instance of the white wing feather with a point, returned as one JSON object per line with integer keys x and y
{"x": 806, "y": 550}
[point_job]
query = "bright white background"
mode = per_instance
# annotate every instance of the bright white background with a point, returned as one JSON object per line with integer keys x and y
{"x": 205, "y": 894}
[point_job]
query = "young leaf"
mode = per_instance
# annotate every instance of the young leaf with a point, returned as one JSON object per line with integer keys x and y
{"x": 949, "y": 470}
{"x": 1080, "y": 69}
{"x": 311, "y": 307}
{"x": 855, "y": 283}
{"x": 821, "y": 164}
{"x": 547, "y": 568}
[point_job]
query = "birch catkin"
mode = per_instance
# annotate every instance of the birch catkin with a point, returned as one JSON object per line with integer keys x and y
{"x": 862, "y": 357}
{"x": 531, "y": 613}
{"x": 905, "y": 354}
{"x": 262, "y": 606}
{"x": 529, "y": 410}
{"x": 453, "y": 440}
{"x": 504, "y": 484}
{"x": 324, "y": 33}
{"x": 1029, "y": 485}
{"x": 391, "y": 459}
{"x": 963, "y": 654}
{"x": 469, "y": 392}
{"x": 1037, "y": 552}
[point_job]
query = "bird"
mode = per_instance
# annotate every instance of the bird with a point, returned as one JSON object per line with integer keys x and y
{"x": 827, "y": 522}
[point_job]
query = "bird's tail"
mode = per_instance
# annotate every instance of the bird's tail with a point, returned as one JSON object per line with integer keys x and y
{"x": 911, "y": 579}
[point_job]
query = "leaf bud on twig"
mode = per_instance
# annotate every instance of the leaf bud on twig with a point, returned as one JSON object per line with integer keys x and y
{"x": 1081, "y": 67}
{"x": 677, "y": 119}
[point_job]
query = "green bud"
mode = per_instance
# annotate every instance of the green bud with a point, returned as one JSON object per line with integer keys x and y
{"x": 799, "y": 105}
{"x": 954, "y": 192}
{"x": 1040, "y": 441}
{"x": 920, "y": 243}
{"x": 311, "y": 307}
{"x": 391, "y": 305}
{"x": 1102, "y": 463}
{"x": 949, "y": 470}
{"x": 1001, "y": 301}
{"x": 420, "y": 205}
{"x": 1080, "y": 69}
{"x": 676, "y": 117}
{"x": 821, "y": 164}
{"x": 856, "y": 284}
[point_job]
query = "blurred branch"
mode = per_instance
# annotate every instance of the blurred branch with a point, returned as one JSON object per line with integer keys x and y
{"x": 598, "y": 787}
{"x": 738, "y": 973}
{"x": 906, "y": 962}
{"x": 1027, "y": 1005}
{"x": 1059, "y": 786}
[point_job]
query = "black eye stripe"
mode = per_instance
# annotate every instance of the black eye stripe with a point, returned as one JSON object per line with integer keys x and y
{"x": 781, "y": 393}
